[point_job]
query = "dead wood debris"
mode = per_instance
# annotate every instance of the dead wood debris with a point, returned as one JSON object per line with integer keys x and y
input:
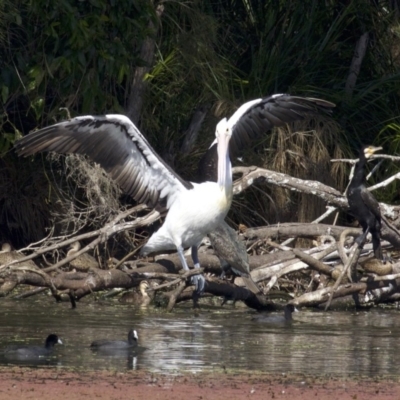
{"x": 312, "y": 276}
{"x": 306, "y": 277}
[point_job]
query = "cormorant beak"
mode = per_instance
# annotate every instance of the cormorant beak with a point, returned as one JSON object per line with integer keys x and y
{"x": 370, "y": 150}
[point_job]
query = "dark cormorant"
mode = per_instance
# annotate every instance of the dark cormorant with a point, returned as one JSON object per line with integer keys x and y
{"x": 363, "y": 204}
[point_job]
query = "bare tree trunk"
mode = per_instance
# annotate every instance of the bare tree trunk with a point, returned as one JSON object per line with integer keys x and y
{"x": 193, "y": 130}
{"x": 138, "y": 87}
{"x": 355, "y": 67}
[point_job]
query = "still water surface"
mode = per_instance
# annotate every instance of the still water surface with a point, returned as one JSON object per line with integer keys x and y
{"x": 317, "y": 343}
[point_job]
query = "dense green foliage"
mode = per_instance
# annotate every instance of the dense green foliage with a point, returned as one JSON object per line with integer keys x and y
{"x": 82, "y": 56}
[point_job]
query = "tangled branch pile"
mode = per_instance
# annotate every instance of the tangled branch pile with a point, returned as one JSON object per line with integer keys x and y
{"x": 304, "y": 277}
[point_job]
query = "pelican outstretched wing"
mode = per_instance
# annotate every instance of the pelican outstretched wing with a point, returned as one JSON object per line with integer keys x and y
{"x": 254, "y": 118}
{"x": 114, "y": 142}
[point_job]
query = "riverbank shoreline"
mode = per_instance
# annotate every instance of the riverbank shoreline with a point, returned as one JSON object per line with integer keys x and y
{"x": 60, "y": 384}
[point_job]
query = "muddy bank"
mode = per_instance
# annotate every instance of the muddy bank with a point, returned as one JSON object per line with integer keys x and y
{"x": 46, "y": 384}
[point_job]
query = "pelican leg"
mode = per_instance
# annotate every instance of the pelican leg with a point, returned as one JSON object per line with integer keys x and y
{"x": 198, "y": 280}
{"x": 182, "y": 258}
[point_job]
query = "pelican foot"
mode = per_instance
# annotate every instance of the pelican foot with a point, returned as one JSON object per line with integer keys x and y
{"x": 199, "y": 282}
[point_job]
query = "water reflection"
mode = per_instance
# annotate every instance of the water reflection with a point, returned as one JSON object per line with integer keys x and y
{"x": 318, "y": 343}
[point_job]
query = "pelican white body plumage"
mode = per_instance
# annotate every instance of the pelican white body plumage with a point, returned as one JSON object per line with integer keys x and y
{"x": 115, "y": 143}
{"x": 208, "y": 208}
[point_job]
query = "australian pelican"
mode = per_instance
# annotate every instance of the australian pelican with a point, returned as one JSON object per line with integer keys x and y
{"x": 115, "y": 143}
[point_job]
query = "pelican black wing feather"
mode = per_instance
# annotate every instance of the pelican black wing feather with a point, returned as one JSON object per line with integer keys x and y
{"x": 272, "y": 111}
{"x": 115, "y": 143}
{"x": 255, "y": 118}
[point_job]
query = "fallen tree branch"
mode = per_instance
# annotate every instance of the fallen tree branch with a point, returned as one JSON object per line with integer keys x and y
{"x": 289, "y": 229}
{"x": 102, "y": 234}
{"x": 313, "y": 262}
{"x": 250, "y": 174}
{"x": 180, "y": 278}
{"x": 267, "y": 267}
{"x": 350, "y": 264}
{"x": 321, "y": 296}
{"x": 173, "y": 296}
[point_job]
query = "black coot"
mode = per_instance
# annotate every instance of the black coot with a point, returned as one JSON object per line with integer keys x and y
{"x": 105, "y": 344}
{"x": 32, "y": 352}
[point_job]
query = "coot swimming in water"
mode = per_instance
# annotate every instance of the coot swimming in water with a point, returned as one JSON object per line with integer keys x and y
{"x": 105, "y": 344}
{"x": 17, "y": 352}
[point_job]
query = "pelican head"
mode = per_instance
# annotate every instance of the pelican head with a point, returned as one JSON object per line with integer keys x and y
{"x": 223, "y": 134}
{"x": 370, "y": 150}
